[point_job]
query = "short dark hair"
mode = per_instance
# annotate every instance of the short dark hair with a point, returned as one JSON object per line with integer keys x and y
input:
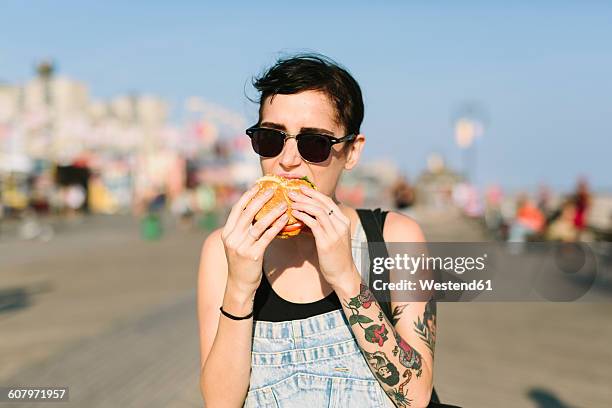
{"x": 315, "y": 72}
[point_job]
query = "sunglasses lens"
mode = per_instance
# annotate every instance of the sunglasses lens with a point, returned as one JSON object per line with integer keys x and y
{"x": 267, "y": 142}
{"x": 314, "y": 148}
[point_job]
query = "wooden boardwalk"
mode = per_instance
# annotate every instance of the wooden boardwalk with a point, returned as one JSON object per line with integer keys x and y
{"x": 127, "y": 337}
{"x": 103, "y": 312}
{"x": 151, "y": 361}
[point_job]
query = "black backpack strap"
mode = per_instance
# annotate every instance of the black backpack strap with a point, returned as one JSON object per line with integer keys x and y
{"x": 373, "y": 222}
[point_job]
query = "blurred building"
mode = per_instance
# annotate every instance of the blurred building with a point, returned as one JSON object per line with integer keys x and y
{"x": 63, "y": 96}
{"x": 435, "y": 185}
{"x": 369, "y": 184}
{"x": 9, "y": 102}
{"x": 124, "y": 147}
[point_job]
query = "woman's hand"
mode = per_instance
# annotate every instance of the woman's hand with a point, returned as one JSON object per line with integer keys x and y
{"x": 245, "y": 243}
{"x": 332, "y": 232}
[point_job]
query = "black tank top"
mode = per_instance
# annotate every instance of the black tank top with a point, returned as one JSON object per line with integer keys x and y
{"x": 270, "y": 307}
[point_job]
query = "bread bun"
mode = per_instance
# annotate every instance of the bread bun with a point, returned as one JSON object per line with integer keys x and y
{"x": 281, "y": 186}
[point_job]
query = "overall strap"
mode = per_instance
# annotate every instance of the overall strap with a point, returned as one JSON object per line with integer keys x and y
{"x": 373, "y": 222}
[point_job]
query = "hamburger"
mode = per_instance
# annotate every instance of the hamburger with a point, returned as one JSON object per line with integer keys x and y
{"x": 282, "y": 186}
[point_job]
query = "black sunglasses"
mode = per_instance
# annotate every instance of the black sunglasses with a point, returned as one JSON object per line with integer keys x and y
{"x": 313, "y": 147}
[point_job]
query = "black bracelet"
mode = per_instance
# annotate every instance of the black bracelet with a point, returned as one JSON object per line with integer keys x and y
{"x": 231, "y": 316}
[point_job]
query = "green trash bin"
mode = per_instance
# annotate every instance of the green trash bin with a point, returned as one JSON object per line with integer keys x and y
{"x": 151, "y": 228}
{"x": 208, "y": 221}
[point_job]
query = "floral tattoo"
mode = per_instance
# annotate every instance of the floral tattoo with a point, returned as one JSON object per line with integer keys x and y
{"x": 374, "y": 333}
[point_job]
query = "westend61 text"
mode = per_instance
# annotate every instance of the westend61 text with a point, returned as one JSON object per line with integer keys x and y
{"x": 431, "y": 284}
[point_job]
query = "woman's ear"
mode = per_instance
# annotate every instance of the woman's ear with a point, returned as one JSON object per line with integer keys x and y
{"x": 353, "y": 152}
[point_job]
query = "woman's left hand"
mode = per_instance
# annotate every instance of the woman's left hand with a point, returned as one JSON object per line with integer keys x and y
{"x": 332, "y": 232}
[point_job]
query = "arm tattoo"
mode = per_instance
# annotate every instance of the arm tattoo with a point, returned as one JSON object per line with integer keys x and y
{"x": 374, "y": 333}
{"x": 397, "y": 313}
{"x": 408, "y": 356}
{"x": 395, "y": 376}
{"x": 426, "y": 327}
{"x": 398, "y": 394}
{"x": 385, "y": 370}
{"x": 388, "y": 373}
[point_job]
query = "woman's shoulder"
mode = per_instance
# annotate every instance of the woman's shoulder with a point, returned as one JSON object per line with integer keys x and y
{"x": 212, "y": 255}
{"x": 213, "y": 242}
{"x": 402, "y": 228}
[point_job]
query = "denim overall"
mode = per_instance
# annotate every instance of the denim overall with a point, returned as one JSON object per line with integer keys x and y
{"x": 316, "y": 362}
{"x": 313, "y": 362}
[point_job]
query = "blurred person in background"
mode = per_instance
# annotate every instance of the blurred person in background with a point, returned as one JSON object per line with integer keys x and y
{"x": 543, "y": 199}
{"x": 403, "y": 195}
{"x": 74, "y": 196}
{"x": 493, "y": 214}
{"x": 528, "y": 222}
{"x": 269, "y": 288}
{"x": 157, "y": 203}
{"x": 14, "y": 197}
{"x": 562, "y": 226}
{"x": 153, "y": 202}
{"x": 33, "y": 224}
{"x": 101, "y": 201}
{"x": 182, "y": 208}
{"x": 209, "y": 207}
{"x": 39, "y": 197}
{"x": 582, "y": 201}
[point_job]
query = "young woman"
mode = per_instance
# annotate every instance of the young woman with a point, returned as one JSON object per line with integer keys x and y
{"x": 298, "y": 326}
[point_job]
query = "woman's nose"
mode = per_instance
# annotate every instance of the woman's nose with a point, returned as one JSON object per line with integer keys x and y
{"x": 290, "y": 156}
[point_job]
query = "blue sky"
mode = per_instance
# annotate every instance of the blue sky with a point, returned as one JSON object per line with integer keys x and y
{"x": 542, "y": 71}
